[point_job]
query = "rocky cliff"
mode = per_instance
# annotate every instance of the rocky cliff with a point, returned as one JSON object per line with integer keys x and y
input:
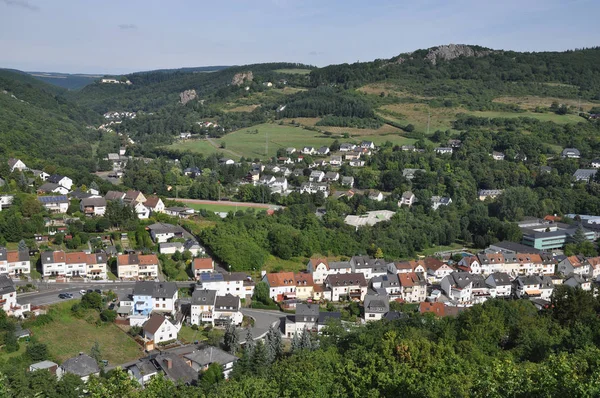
{"x": 451, "y": 51}
{"x": 187, "y": 96}
{"x": 241, "y": 77}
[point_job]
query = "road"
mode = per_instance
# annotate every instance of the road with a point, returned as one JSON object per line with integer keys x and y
{"x": 227, "y": 203}
{"x": 263, "y": 319}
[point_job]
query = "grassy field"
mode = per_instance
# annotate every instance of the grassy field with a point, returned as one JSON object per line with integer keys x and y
{"x": 66, "y": 336}
{"x": 242, "y": 108}
{"x": 388, "y": 89}
{"x": 531, "y": 102}
{"x": 544, "y": 117}
{"x": 295, "y": 71}
{"x": 223, "y": 208}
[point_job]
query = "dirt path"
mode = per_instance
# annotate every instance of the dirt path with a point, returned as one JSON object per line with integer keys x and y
{"x": 227, "y": 203}
{"x": 217, "y": 146}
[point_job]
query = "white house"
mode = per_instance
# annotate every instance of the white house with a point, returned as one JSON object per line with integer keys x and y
{"x": 61, "y": 180}
{"x": 316, "y": 176}
{"x": 53, "y": 263}
{"x": 282, "y": 284}
{"x": 443, "y": 150}
{"x": 352, "y": 285}
{"x": 577, "y": 265}
{"x": 155, "y": 204}
{"x": 8, "y": 294}
{"x": 227, "y": 310}
{"x": 159, "y": 329}
{"x": 93, "y": 206}
{"x": 202, "y": 306}
{"x": 501, "y": 283}
{"x": 458, "y": 286}
{"x": 54, "y": 204}
{"x": 82, "y": 366}
{"x": 238, "y": 284}
{"x": 376, "y": 196}
{"x": 319, "y": 268}
{"x": 375, "y": 307}
{"x": 201, "y": 359}
{"x": 16, "y": 164}
{"x": 162, "y": 232}
{"x": 141, "y": 211}
{"x": 14, "y": 262}
{"x": 407, "y": 199}
{"x": 413, "y": 287}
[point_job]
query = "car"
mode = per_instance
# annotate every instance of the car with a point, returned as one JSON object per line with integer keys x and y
{"x": 90, "y": 291}
{"x": 82, "y": 292}
{"x": 62, "y": 296}
{"x": 98, "y": 291}
{"x": 69, "y": 295}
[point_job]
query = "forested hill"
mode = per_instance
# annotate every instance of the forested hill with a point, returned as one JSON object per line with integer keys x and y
{"x": 37, "y": 122}
{"x": 580, "y": 68}
{"x": 153, "y": 90}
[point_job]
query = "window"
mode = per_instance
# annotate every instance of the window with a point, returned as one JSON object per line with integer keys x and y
{"x": 157, "y": 305}
{"x": 164, "y": 305}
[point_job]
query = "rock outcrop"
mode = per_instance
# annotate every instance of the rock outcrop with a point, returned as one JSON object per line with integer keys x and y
{"x": 187, "y": 96}
{"x": 242, "y": 77}
{"x": 451, "y": 51}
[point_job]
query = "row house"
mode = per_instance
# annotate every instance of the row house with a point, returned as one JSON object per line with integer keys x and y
{"x": 436, "y": 269}
{"x": 579, "y": 282}
{"x": 413, "y": 287}
{"x": 281, "y": 285}
{"x": 370, "y": 267}
{"x": 207, "y": 307}
{"x": 304, "y": 286}
{"x": 352, "y": 286}
{"x": 577, "y": 265}
{"x": 14, "y": 262}
{"x": 74, "y": 264}
{"x": 388, "y": 285}
{"x": 136, "y": 266}
{"x": 151, "y": 297}
{"x": 500, "y": 283}
{"x": 237, "y": 284}
{"x": 417, "y": 266}
{"x": 533, "y": 286}
{"x": 320, "y": 268}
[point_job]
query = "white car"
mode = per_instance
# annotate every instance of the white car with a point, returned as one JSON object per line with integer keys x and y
{"x": 82, "y": 292}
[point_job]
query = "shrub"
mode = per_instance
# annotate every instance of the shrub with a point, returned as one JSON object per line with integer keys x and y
{"x": 108, "y": 315}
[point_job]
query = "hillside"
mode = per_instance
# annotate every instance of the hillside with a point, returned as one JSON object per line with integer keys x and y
{"x": 37, "y": 122}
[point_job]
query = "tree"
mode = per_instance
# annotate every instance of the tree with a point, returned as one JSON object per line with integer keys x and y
{"x": 274, "y": 344}
{"x": 305, "y": 340}
{"x": 108, "y": 316}
{"x": 211, "y": 376}
{"x": 231, "y": 340}
{"x": 96, "y": 354}
{"x": 259, "y": 360}
{"x": 22, "y": 246}
{"x": 92, "y": 300}
{"x": 579, "y": 236}
{"x": 295, "y": 346}
{"x": 379, "y": 253}
{"x": 37, "y": 351}
{"x": 249, "y": 343}
{"x": 261, "y": 293}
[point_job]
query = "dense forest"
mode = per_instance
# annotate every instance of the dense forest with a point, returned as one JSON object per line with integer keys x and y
{"x": 498, "y": 349}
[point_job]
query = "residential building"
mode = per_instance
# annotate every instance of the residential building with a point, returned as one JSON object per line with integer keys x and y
{"x": 574, "y": 265}
{"x": 82, "y": 366}
{"x": 304, "y": 285}
{"x": 443, "y": 150}
{"x": 533, "y": 286}
{"x": 55, "y": 204}
{"x": 369, "y": 267}
{"x": 409, "y": 174}
{"x": 93, "y": 206}
{"x": 282, "y": 285}
{"x": 8, "y": 293}
{"x": 436, "y": 269}
{"x": 497, "y": 155}
{"x": 413, "y": 287}
{"x": 193, "y": 247}
{"x": 346, "y": 147}
{"x": 407, "y": 199}
{"x": 367, "y": 145}
{"x": 375, "y": 307}
{"x": 331, "y": 176}
{"x": 114, "y": 196}
{"x": 238, "y": 284}
{"x": 471, "y": 264}
{"x": 571, "y": 153}
{"x": 316, "y": 176}
{"x": 437, "y": 201}
{"x": 323, "y": 151}
{"x": 162, "y": 232}
{"x": 61, "y": 180}
{"x": 484, "y": 194}
{"x": 142, "y": 371}
{"x": 16, "y": 164}
{"x": 202, "y": 306}
{"x": 348, "y": 181}
{"x": 319, "y": 268}
{"x": 312, "y": 188}
{"x": 151, "y": 297}
{"x": 335, "y": 160}
{"x": 49, "y": 188}
{"x": 500, "y": 283}
{"x": 369, "y": 219}
{"x": 50, "y": 366}
{"x": 458, "y": 286}
{"x": 352, "y": 286}
{"x": 308, "y": 150}
{"x": 306, "y": 318}
{"x": 578, "y": 282}
{"x": 202, "y": 265}
{"x": 132, "y": 197}
{"x": 387, "y": 285}
{"x": 154, "y": 204}
{"x": 201, "y": 359}
{"x": 14, "y": 262}
{"x": 586, "y": 175}
{"x": 53, "y": 263}
{"x": 170, "y": 247}
{"x": 159, "y": 329}
{"x": 376, "y": 196}
{"x": 134, "y": 266}
{"x": 227, "y": 310}
{"x": 401, "y": 267}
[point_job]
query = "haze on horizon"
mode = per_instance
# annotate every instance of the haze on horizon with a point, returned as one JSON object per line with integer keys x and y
{"x": 123, "y": 37}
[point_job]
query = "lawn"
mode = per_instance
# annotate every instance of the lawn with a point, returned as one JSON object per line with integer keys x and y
{"x": 66, "y": 336}
{"x": 223, "y": 208}
{"x": 294, "y": 71}
{"x": 189, "y": 335}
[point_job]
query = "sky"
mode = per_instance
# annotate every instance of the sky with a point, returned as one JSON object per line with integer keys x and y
{"x": 123, "y": 36}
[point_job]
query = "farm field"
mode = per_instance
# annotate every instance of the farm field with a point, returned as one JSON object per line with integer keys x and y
{"x": 223, "y": 208}
{"x": 388, "y": 89}
{"x": 66, "y": 336}
{"x": 544, "y": 117}
{"x": 295, "y": 71}
{"x": 531, "y": 102}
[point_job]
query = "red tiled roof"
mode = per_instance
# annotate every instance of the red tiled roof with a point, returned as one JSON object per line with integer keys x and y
{"x": 148, "y": 259}
{"x": 76, "y": 258}
{"x": 304, "y": 279}
{"x": 317, "y": 261}
{"x": 151, "y": 201}
{"x": 281, "y": 279}
{"x": 435, "y": 308}
{"x": 12, "y": 256}
{"x": 203, "y": 263}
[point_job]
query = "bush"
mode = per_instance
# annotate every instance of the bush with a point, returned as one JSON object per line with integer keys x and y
{"x": 37, "y": 351}
{"x": 135, "y": 331}
{"x": 108, "y": 315}
{"x": 92, "y": 300}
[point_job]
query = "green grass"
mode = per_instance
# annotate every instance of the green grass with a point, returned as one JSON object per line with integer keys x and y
{"x": 295, "y": 71}
{"x": 66, "y": 336}
{"x": 19, "y": 352}
{"x": 544, "y": 117}
{"x": 433, "y": 250}
{"x": 189, "y": 335}
{"x": 223, "y": 208}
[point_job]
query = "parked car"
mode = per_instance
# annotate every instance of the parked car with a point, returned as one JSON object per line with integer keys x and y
{"x": 82, "y": 292}
{"x": 98, "y": 291}
{"x": 62, "y": 296}
{"x": 69, "y": 295}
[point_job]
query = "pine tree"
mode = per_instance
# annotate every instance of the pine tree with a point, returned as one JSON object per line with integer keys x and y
{"x": 23, "y": 246}
{"x": 274, "y": 344}
{"x": 295, "y": 343}
{"x": 231, "y": 340}
{"x": 305, "y": 341}
{"x": 379, "y": 253}
{"x": 579, "y": 236}
{"x": 250, "y": 343}
{"x": 95, "y": 353}
{"x": 259, "y": 362}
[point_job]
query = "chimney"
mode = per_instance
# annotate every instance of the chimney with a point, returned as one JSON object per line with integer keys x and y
{"x": 169, "y": 363}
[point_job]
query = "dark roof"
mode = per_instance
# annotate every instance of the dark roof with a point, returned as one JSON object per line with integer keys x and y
{"x": 55, "y": 178}
{"x": 81, "y": 365}
{"x": 96, "y": 202}
{"x": 376, "y": 304}
{"x": 514, "y": 247}
{"x": 324, "y": 317}
{"x": 53, "y": 199}
{"x": 501, "y": 279}
{"x": 179, "y": 371}
{"x": 48, "y": 187}
{"x": 207, "y": 355}
{"x": 347, "y": 279}
{"x": 155, "y": 322}
{"x": 227, "y": 302}
{"x": 6, "y": 285}
{"x": 155, "y": 289}
{"x": 204, "y": 297}
{"x": 77, "y": 194}
{"x": 306, "y": 310}
{"x": 114, "y": 195}
{"x": 393, "y": 315}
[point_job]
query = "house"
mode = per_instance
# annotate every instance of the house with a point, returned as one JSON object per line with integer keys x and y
{"x": 407, "y": 199}
{"x": 458, "y": 286}
{"x": 356, "y": 163}
{"x": 492, "y": 262}
{"x": 594, "y": 267}
{"x": 576, "y": 265}
{"x": 497, "y": 155}
{"x": 192, "y": 172}
{"x": 346, "y": 147}
{"x": 114, "y": 196}
{"x": 409, "y": 174}
{"x": 438, "y": 309}
{"x": 8, "y": 293}
{"x": 437, "y": 201}
{"x": 308, "y": 150}
{"x": 331, "y": 176}
{"x": 586, "y": 175}
{"x": 140, "y": 210}
{"x": 162, "y": 232}
{"x": 179, "y": 211}
{"x": 54, "y": 204}
{"x": 316, "y": 176}
{"x": 50, "y": 187}
{"x": 134, "y": 266}
{"x": 489, "y": 193}
{"x": 201, "y": 359}
{"x": 226, "y": 161}
{"x": 132, "y": 197}
{"x": 376, "y": 196}
{"x": 369, "y": 267}
{"x": 436, "y": 269}
{"x": 266, "y": 179}
{"x": 154, "y": 204}
{"x": 375, "y": 307}
{"x": 93, "y": 206}
{"x": 159, "y": 329}
{"x": 319, "y": 268}
{"x": 16, "y": 164}
{"x": 387, "y": 285}
{"x": 6, "y": 201}
{"x": 201, "y": 265}
{"x": 82, "y": 366}
{"x": 596, "y": 163}
{"x": 14, "y": 262}
{"x": 304, "y": 285}
{"x": 335, "y": 160}
{"x": 454, "y": 143}
{"x": 281, "y": 284}
{"x": 413, "y": 287}
{"x": 96, "y": 265}
{"x": 417, "y": 266}
{"x": 154, "y": 297}
{"x": 142, "y": 371}
{"x": 352, "y": 285}
{"x": 577, "y": 281}
{"x": 306, "y": 318}
{"x": 348, "y": 181}
{"x": 236, "y": 283}
{"x": 279, "y": 185}
{"x": 193, "y": 247}
{"x": 290, "y": 150}
{"x": 443, "y": 150}
{"x": 369, "y": 219}
{"x": 61, "y": 180}
{"x": 323, "y": 151}
{"x": 170, "y": 247}
{"x": 500, "y": 283}
{"x": 571, "y": 153}
{"x": 533, "y": 286}
{"x": 315, "y": 187}
{"x": 53, "y": 263}
{"x": 367, "y": 145}
{"x": 353, "y": 155}
{"x": 408, "y": 148}
{"x": 227, "y": 310}
{"x": 202, "y": 306}
{"x": 175, "y": 368}
{"x": 470, "y": 264}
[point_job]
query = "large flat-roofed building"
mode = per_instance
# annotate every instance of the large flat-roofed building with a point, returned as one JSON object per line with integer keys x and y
{"x": 545, "y": 235}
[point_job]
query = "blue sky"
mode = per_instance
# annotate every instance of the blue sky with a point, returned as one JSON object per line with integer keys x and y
{"x": 117, "y": 36}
